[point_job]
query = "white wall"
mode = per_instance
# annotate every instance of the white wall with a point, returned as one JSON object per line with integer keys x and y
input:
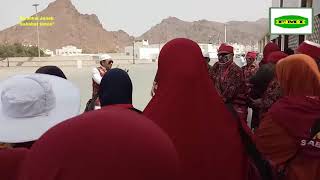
{"x": 275, "y": 3}
{"x": 128, "y": 50}
{"x": 148, "y": 53}
{"x": 316, "y": 7}
{"x": 291, "y": 3}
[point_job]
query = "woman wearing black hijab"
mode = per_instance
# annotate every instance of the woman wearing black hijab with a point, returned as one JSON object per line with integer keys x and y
{"x": 116, "y": 89}
{"x": 51, "y": 70}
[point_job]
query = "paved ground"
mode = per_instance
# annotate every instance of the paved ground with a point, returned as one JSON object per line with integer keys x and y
{"x": 142, "y": 76}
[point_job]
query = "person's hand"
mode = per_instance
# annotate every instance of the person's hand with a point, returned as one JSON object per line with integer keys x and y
{"x": 154, "y": 88}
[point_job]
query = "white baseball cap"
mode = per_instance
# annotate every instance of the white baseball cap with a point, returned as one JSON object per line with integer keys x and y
{"x": 32, "y": 104}
{"x": 105, "y": 57}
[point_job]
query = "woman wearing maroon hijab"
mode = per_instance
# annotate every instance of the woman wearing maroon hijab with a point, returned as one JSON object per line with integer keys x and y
{"x": 110, "y": 144}
{"x": 188, "y": 108}
{"x": 289, "y": 134}
{"x": 268, "y": 49}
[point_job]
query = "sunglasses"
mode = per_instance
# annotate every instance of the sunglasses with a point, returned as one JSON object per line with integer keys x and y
{"x": 223, "y": 56}
{"x": 110, "y": 62}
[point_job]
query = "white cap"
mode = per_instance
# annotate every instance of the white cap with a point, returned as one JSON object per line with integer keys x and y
{"x": 312, "y": 43}
{"x": 32, "y": 104}
{"x": 105, "y": 57}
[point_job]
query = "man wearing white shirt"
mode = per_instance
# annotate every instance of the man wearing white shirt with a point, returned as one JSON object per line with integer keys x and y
{"x": 97, "y": 74}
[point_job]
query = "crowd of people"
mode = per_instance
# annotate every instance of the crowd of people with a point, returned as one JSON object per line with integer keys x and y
{"x": 194, "y": 128}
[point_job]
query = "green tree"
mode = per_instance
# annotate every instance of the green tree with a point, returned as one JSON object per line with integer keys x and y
{"x": 18, "y": 50}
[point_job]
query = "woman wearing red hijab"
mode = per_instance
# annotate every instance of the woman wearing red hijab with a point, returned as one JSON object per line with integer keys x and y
{"x": 251, "y": 67}
{"x": 269, "y": 48}
{"x": 110, "y": 144}
{"x": 288, "y": 134}
{"x": 271, "y": 92}
{"x": 188, "y": 108}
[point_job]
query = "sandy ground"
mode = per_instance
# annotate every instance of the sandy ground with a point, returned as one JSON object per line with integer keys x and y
{"x": 142, "y": 76}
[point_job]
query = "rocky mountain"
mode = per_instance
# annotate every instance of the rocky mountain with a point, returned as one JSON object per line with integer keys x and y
{"x": 204, "y": 31}
{"x": 86, "y": 32}
{"x": 69, "y": 28}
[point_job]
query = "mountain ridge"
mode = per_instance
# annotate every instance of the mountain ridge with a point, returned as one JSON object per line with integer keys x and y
{"x": 85, "y": 31}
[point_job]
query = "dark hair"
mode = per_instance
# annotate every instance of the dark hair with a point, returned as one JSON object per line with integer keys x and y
{"x": 51, "y": 70}
{"x": 207, "y": 59}
{"x": 102, "y": 62}
{"x": 115, "y": 88}
{"x": 262, "y": 78}
{"x": 288, "y": 51}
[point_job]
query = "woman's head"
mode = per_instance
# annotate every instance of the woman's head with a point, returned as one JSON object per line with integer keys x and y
{"x": 251, "y": 57}
{"x": 176, "y": 53}
{"x": 269, "y": 48}
{"x": 51, "y": 70}
{"x": 188, "y": 108}
{"x": 225, "y": 54}
{"x": 275, "y": 57}
{"x": 298, "y": 75}
{"x": 115, "y": 88}
{"x": 113, "y": 143}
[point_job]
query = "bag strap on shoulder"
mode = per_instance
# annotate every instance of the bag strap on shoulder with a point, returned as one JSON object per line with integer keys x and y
{"x": 263, "y": 166}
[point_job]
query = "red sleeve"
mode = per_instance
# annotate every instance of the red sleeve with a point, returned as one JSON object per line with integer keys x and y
{"x": 274, "y": 142}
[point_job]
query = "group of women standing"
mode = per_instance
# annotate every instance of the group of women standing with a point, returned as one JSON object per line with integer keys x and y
{"x": 186, "y": 131}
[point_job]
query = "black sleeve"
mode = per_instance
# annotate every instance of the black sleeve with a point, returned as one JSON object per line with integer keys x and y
{"x": 262, "y": 78}
{"x": 136, "y": 110}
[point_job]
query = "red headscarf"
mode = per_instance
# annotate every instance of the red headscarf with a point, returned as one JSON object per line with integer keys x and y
{"x": 225, "y": 49}
{"x": 299, "y": 77}
{"x": 269, "y": 48}
{"x": 296, "y": 114}
{"x": 112, "y": 143}
{"x": 251, "y": 54}
{"x": 310, "y": 48}
{"x": 276, "y": 56}
{"x": 10, "y": 160}
{"x": 188, "y": 108}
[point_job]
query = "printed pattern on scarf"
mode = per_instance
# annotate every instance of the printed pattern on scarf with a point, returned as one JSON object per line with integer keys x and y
{"x": 95, "y": 86}
{"x": 230, "y": 84}
{"x": 271, "y": 95}
{"x": 249, "y": 71}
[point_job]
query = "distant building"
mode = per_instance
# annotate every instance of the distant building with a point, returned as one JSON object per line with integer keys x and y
{"x": 210, "y": 49}
{"x": 68, "y": 51}
{"x": 48, "y": 52}
{"x": 243, "y": 49}
{"x": 142, "y": 50}
{"x": 145, "y": 51}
